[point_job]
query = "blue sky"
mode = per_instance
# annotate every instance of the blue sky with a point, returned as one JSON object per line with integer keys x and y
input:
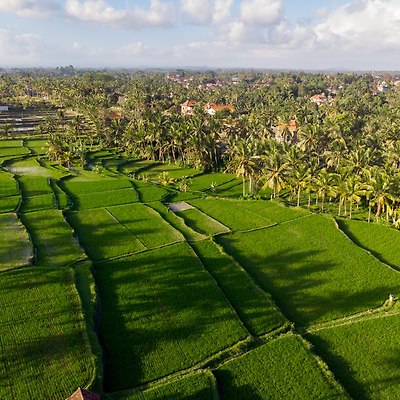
{"x": 296, "y": 34}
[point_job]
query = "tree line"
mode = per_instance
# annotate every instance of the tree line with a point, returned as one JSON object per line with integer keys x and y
{"x": 344, "y": 153}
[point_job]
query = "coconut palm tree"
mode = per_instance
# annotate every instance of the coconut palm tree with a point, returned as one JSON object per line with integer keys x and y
{"x": 274, "y": 172}
{"x": 324, "y": 183}
{"x": 244, "y": 163}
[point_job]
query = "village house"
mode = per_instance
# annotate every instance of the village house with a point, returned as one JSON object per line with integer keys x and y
{"x": 319, "y": 99}
{"x": 212, "y": 108}
{"x": 3, "y": 107}
{"x": 286, "y": 132}
{"x": 187, "y": 107}
{"x": 84, "y": 394}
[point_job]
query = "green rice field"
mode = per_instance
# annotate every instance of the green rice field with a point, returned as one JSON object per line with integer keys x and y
{"x": 106, "y": 286}
{"x": 312, "y": 270}
{"x": 161, "y": 313}
{"x": 281, "y": 369}
{"x": 44, "y": 349}
{"x": 53, "y": 238}
{"x": 15, "y": 248}
{"x": 363, "y": 355}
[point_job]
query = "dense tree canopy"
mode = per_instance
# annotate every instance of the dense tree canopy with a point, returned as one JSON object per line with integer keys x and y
{"x": 342, "y": 147}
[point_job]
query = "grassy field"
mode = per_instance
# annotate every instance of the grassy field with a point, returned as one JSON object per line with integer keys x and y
{"x": 364, "y": 356}
{"x": 9, "y": 193}
{"x": 281, "y": 369}
{"x": 32, "y": 168}
{"x": 365, "y": 235}
{"x": 52, "y": 238}
{"x": 188, "y": 305}
{"x": 173, "y": 171}
{"x": 101, "y": 235}
{"x": 206, "y": 182}
{"x": 149, "y": 192}
{"x": 37, "y": 146}
{"x": 254, "y": 306}
{"x": 241, "y": 215}
{"x": 312, "y": 271}
{"x": 13, "y": 151}
{"x": 15, "y": 248}
{"x": 161, "y": 312}
{"x": 90, "y": 182}
{"x": 34, "y": 185}
{"x": 8, "y": 185}
{"x": 146, "y": 224}
{"x": 176, "y": 222}
{"x": 201, "y": 222}
{"x": 37, "y": 203}
{"x": 136, "y": 166}
{"x": 104, "y": 199}
{"x": 5, "y": 143}
{"x": 9, "y": 203}
{"x": 44, "y": 349}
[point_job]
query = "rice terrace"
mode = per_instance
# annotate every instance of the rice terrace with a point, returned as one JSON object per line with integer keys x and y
{"x": 146, "y": 254}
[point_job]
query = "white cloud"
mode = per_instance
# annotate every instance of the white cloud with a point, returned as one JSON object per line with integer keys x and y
{"x": 204, "y": 12}
{"x": 21, "y": 46}
{"x": 261, "y": 12}
{"x": 29, "y": 8}
{"x": 131, "y": 49}
{"x": 363, "y": 24}
{"x": 160, "y": 13}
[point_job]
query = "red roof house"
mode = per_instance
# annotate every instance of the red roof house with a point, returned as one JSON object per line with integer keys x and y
{"x": 212, "y": 108}
{"x": 187, "y": 107}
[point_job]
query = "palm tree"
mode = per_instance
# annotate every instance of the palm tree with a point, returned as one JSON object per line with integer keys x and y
{"x": 274, "y": 172}
{"x": 299, "y": 179}
{"x": 381, "y": 195}
{"x": 355, "y": 189}
{"x": 244, "y": 163}
{"x": 324, "y": 185}
{"x": 6, "y": 130}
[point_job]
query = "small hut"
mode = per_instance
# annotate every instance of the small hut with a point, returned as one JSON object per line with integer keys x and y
{"x": 84, "y": 394}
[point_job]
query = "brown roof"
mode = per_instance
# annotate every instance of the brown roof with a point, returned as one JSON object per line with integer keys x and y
{"x": 219, "y": 107}
{"x": 189, "y": 103}
{"x": 84, "y": 394}
{"x": 292, "y": 126}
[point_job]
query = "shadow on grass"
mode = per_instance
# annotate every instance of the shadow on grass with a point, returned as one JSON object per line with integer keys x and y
{"x": 340, "y": 368}
{"x": 228, "y": 387}
{"x": 160, "y": 313}
{"x": 307, "y": 287}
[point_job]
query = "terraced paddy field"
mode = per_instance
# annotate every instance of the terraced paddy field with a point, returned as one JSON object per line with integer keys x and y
{"x": 109, "y": 283}
{"x": 15, "y": 248}
{"x": 312, "y": 270}
{"x": 44, "y": 348}
{"x": 280, "y": 369}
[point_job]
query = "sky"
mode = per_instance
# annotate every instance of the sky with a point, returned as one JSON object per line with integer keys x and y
{"x": 271, "y": 34}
